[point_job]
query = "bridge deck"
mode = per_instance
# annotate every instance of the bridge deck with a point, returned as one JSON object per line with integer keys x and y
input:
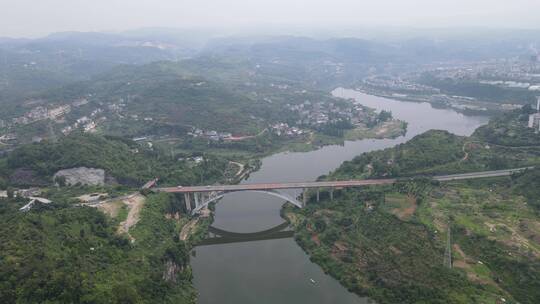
{"x": 331, "y": 184}
{"x": 278, "y": 186}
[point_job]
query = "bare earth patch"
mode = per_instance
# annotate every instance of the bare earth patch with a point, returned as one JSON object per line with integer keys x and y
{"x": 135, "y": 203}
{"x": 405, "y": 207}
{"x": 466, "y": 263}
{"x": 188, "y": 229}
{"x": 315, "y": 239}
{"x": 111, "y": 208}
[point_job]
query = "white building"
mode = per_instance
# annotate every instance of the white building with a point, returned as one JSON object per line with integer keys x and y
{"x": 59, "y": 111}
{"x": 534, "y": 119}
{"x": 33, "y": 201}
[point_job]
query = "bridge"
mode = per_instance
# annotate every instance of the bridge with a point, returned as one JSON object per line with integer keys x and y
{"x": 204, "y": 195}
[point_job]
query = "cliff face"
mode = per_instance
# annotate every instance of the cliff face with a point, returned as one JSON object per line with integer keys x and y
{"x": 83, "y": 176}
{"x": 171, "y": 272}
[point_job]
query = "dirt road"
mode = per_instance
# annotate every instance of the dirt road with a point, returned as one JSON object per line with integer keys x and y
{"x": 135, "y": 203}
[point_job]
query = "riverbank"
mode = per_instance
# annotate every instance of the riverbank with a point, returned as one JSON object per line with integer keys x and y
{"x": 419, "y": 241}
{"x": 263, "y": 146}
{"x": 242, "y": 272}
{"x": 314, "y": 141}
{"x": 466, "y": 107}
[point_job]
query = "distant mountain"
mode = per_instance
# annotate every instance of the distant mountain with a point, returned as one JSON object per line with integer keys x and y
{"x": 343, "y": 61}
{"x": 355, "y": 50}
{"x": 31, "y": 65}
{"x": 132, "y": 100}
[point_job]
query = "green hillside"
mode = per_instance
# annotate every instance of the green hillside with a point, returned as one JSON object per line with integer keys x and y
{"x": 389, "y": 242}
{"x": 57, "y": 254}
{"x": 125, "y": 161}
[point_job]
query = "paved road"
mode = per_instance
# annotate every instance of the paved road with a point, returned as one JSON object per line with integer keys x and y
{"x": 484, "y": 174}
{"x": 331, "y": 184}
{"x": 278, "y": 186}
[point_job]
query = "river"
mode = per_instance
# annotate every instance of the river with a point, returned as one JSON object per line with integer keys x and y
{"x": 277, "y": 270}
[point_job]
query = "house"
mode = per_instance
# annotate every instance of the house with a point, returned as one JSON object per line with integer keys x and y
{"x": 59, "y": 111}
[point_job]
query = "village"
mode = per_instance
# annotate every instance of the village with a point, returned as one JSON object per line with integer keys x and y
{"x": 316, "y": 114}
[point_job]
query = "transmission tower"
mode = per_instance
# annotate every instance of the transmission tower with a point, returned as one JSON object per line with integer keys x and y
{"x": 52, "y": 134}
{"x": 448, "y": 251}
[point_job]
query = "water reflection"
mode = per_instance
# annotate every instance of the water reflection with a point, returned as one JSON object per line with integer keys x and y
{"x": 278, "y": 270}
{"x": 218, "y": 236}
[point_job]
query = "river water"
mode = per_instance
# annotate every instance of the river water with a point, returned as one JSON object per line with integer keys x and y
{"x": 278, "y": 271}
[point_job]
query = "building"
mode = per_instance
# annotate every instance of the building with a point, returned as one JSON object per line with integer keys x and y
{"x": 37, "y": 113}
{"x": 59, "y": 111}
{"x": 534, "y": 119}
{"x": 33, "y": 201}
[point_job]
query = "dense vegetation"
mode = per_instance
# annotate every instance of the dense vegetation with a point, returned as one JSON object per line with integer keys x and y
{"x": 484, "y": 92}
{"x": 510, "y": 129}
{"x": 62, "y": 253}
{"x": 389, "y": 242}
{"x": 376, "y": 254}
{"x": 420, "y": 155}
{"x": 58, "y": 254}
{"x": 123, "y": 160}
{"x": 439, "y": 152}
{"x": 528, "y": 185}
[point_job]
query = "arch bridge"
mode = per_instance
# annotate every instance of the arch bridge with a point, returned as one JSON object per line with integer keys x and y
{"x": 204, "y": 195}
{"x": 197, "y": 198}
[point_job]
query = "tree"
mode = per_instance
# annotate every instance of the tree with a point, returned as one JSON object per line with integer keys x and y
{"x": 10, "y": 192}
{"x": 3, "y": 183}
{"x": 385, "y": 116}
{"x": 60, "y": 181}
{"x": 320, "y": 225}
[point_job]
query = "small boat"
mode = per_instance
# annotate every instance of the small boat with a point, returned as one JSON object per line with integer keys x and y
{"x": 312, "y": 281}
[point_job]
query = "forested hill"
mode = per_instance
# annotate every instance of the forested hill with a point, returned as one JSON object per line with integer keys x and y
{"x": 124, "y": 162}
{"x": 225, "y": 94}
{"x": 426, "y": 153}
{"x": 166, "y": 96}
{"x": 390, "y": 242}
{"x": 32, "y": 65}
{"x": 65, "y": 254}
{"x": 510, "y": 129}
{"x": 505, "y": 142}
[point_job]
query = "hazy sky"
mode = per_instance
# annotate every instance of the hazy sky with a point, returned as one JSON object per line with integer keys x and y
{"x": 40, "y": 17}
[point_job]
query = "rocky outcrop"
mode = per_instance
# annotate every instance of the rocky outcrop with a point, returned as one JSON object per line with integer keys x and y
{"x": 81, "y": 175}
{"x": 171, "y": 271}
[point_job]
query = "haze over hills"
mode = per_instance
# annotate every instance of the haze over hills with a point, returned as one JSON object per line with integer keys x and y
{"x": 69, "y": 56}
{"x": 33, "y": 65}
{"x": 90, "y": 122}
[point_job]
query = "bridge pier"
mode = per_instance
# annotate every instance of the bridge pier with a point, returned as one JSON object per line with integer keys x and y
{"x": 331, "y": 194}
{"x": 203, "y": 198}
{"x": 187, "y": 201}
{"x": 318, "y": 194}
{"x": 197, "y": 195}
